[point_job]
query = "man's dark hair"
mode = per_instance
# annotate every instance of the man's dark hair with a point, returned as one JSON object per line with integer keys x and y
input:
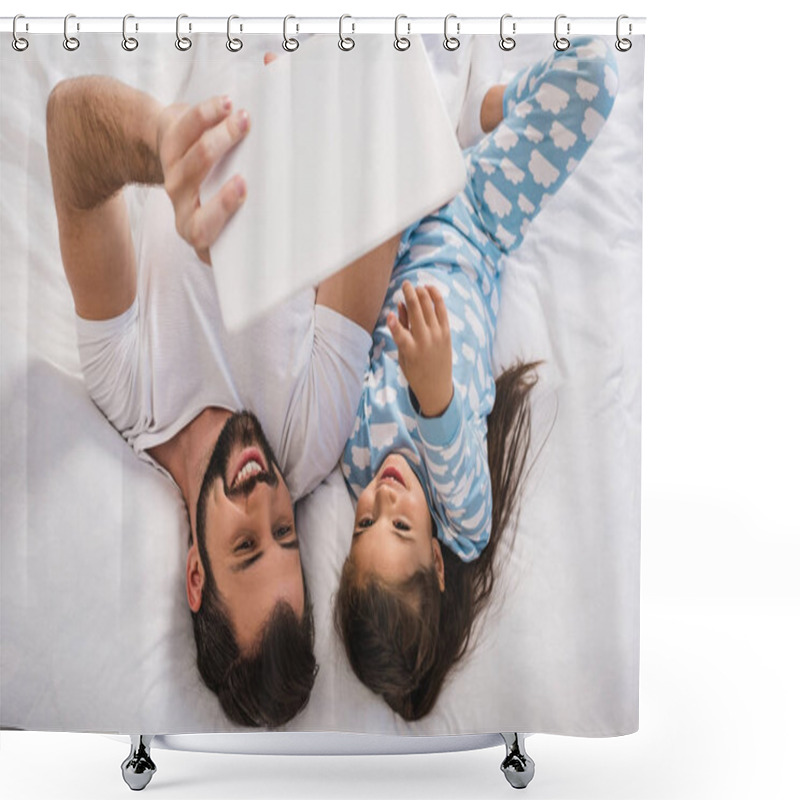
{"x": 269, "y": 685}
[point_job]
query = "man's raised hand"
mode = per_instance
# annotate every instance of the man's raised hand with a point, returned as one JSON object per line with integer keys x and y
{"x": 191, "y": 140}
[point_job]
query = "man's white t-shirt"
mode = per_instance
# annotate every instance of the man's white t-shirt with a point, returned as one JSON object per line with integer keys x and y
{"x": 155, "y": 367}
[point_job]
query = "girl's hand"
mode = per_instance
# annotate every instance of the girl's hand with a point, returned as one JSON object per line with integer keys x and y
{"x": 422, "y": 335}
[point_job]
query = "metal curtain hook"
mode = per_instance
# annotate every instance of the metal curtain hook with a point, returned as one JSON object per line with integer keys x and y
{"x": 71, "y": 43}
{"x": 401, "y": 42}
{"x": 233, "y": 44}
{"x": 290, "y": 44}
{"x": 623, "y": 45}
{"x": 451, "y": 42}
{"x": 561, "y": 43}
{"x": 18, "y": 43}
{"x": 507, "y": 42}
{"x": 182, "y": 42}
{"x": 129, "y": 43}
{"x": 346, "y": 42}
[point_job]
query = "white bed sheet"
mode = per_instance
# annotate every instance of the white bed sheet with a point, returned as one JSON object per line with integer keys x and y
{"x": 95, "y": 629}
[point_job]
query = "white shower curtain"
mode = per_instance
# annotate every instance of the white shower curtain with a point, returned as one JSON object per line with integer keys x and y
{"x": 100, "y": 588}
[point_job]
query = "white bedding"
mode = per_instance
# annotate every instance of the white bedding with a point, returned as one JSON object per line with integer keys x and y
{"x": 95, "y": 628}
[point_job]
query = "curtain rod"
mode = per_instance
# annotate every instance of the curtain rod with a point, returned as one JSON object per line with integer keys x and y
{"x": 351, "y": 24}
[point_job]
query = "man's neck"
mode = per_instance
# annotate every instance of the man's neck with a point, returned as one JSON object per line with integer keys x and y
{"x": 186, "y": 455}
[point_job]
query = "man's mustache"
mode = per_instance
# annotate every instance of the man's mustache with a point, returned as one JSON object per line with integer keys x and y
{"x": 269, "y": 477}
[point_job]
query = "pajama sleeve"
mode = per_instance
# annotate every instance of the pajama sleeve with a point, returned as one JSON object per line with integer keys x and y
{"x": 454, "y": 450}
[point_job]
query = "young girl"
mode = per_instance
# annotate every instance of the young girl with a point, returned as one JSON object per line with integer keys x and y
{"x": 438, "y": 449}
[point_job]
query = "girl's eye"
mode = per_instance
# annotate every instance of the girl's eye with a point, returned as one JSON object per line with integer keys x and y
{"x": 247, "y": 544}
{"x": 364, "y": 523}
{"x": 283, "y": 532}
{"x": 401, "y": 526}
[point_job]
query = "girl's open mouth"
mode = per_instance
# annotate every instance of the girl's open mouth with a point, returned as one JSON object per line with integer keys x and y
{"x": 393, "y": 474}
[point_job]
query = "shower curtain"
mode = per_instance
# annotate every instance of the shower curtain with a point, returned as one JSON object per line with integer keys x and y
{"x": 254, "y": 372}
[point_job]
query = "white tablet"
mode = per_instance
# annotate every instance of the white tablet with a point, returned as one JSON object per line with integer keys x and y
{"x": 345, "y": 149}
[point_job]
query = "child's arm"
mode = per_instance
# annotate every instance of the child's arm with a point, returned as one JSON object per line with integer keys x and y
{"x": 454, "y": 449}
{"x": 422, "y": 336}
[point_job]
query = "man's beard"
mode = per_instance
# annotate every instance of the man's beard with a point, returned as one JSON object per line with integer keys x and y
{"x": 242, "y": 429}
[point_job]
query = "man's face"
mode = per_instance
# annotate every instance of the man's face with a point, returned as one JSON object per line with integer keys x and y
{"x": 245, "y": 523}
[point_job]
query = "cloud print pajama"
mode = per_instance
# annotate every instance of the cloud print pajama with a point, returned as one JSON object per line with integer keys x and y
{"x": 552, "y": 113}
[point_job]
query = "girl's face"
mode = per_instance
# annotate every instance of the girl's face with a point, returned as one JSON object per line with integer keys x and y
{"x": 393, "y": 534}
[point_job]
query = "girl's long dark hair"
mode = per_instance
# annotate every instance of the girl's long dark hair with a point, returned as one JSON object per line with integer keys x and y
{"x": 402, "y": 641}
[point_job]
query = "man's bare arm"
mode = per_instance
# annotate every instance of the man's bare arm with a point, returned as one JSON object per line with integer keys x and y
{"x": 358, "y": 291}
{"x": 103, "y": 135}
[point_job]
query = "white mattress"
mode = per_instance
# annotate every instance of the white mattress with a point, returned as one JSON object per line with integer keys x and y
{"x": 96, "y": 632}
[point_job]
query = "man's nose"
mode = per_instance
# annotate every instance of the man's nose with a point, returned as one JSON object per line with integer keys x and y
{"x": 252, "y": 498}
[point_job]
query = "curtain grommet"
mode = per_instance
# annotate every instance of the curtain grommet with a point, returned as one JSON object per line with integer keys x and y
{"x": 401, "y": 43}
{"x": 71, "y": 43}
{"x": 19, "y": 43}
{"x": 129, "y": 43}
{"x": 451, "y": 43}
{"x": 561, "y": 43}
{"x": 346, "y": 43}
{"x": 183, "y": 43}
{"x": 289, "y": 44}
{"x": 623, "y": 44}
{"x": 507, "y": 43}
{"x": 233, "y": 44}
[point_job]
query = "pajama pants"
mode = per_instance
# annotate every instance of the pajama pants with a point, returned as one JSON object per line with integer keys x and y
{"x": 553, "y": 111}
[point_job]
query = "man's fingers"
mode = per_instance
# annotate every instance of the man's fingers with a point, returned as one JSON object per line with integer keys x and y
{"x": 192, "y": 124}
{"x": 167, "y": 120}
{"x": 204, "y": 255}
{"x": 209, "y": 219}
{"x": 212, "y": 146}
{"x": 198, "y": 224}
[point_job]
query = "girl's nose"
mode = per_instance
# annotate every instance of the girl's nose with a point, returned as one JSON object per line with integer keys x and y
{"x": 385, "y": 495}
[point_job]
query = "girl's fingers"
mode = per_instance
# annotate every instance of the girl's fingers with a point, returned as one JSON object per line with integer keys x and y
{"x": 440, "y": 308}
{"x": 402, "y": 337}
{"x": 426, "y": 304}
{"x": 269, "y": 57}
{"x": 403, "y": 314}
{"x": 193, "y": 124}
{"x": 209, "y": 219}
{"x": 415, "y": 316}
